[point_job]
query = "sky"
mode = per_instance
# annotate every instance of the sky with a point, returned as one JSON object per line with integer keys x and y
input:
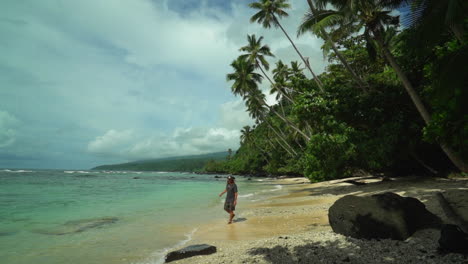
{"x": 92, "y": 82}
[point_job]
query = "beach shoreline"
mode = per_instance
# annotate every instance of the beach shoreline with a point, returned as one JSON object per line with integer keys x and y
{"x": 292, "y": 227}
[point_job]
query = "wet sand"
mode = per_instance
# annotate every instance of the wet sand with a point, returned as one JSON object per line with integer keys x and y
{"x": 288, "y": 228}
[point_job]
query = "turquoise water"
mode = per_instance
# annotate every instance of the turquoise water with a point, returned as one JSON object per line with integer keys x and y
{"x": 50, "y": 216}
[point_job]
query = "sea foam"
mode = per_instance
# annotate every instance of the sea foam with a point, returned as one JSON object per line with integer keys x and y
{"x": 159, "y": 256}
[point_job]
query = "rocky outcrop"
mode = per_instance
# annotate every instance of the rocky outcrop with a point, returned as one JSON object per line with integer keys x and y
{"x": 380, "y": 216}
{"x": 190, "y": 251}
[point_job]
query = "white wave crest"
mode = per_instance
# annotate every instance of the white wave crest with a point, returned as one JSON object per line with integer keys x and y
{"x": 16, "y": 171}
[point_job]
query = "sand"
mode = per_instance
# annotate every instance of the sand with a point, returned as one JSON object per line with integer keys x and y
{"x": 293, "y": 227}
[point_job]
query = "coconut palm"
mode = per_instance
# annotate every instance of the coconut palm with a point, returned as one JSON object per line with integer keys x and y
{"x": 268, "y": 14}
{"x": 247, "y": 137}
{"x": 374, "y": 16}
{"x": 246, "y": 85}
{"x": 281, "y": 70}
{"x": 296, "y": 69}
{"x": 256, "y": 52}
{"x": 308, "y": 24}
{"x": 435, "y": 17}
{"x": 244, "y": 77}
{"x": 258, "y": 109}
{"x": 246, "y": 134}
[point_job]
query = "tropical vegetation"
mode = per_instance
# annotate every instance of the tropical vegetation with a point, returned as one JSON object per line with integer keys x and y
{"x": 392, "y": 98}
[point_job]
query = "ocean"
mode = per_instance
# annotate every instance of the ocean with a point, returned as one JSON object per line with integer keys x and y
{"x": 86, "y": 217}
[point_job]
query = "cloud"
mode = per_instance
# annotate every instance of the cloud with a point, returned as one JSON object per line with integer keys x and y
{"x": 132, "y": 145}
{"x": 110, "y": 142}
{"x": 117, "y": 80}
{"x": 233, "y": 115}
{"x": 7, "y": 131}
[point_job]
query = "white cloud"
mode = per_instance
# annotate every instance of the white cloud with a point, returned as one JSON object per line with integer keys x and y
{"x": 128, "y": 79}
{"x": 7, "y": 132}
{"x": 132, "y": 145}
{"x": 111, "y": 141}
{"x": 233, "y": 115}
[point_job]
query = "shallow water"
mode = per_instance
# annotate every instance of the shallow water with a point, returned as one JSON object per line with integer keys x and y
{"x": 50, "y": 216}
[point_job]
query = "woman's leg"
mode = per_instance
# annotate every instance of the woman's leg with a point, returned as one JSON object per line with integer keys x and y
{"x": 231, "y": 216}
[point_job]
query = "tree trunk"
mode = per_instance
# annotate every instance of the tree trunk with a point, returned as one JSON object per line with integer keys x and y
{"x": 289, "y": 123}
{"x": 316, "y": 79}
{"x": 343, "y": 60}
{"x": 272, "y": 83}
{"x": 452, "y": 155}
{"x": 289, "y": 149}
{"x": 284, "y": 136}
{"x": 261, "y": 151}
{"x": 278, "y": 114}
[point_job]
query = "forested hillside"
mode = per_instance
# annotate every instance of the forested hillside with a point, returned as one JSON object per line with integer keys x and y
{"x": 393, "y": 98}
{"x": 182, "y": 163}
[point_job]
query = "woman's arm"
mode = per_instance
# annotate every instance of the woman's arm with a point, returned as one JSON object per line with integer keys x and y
{"x": 221, "y": 194}
{"x": 235, "y": 198}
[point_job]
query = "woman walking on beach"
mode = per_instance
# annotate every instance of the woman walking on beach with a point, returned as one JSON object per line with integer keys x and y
{"x": 231, "y": 197}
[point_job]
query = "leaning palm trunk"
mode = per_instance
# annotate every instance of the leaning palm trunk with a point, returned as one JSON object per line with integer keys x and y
{"x": 287, "y": 121}
{"x": 261, "y": 151}
{"x": 358, "y": 79}
{"x": 295, "y": 139}
{"x": 343, "y": 60}
{"x": 286, "y": 145}
{"x": 451, "y": 154}
{"x": 272, "y": 83}
{"x": 316, "y": 79}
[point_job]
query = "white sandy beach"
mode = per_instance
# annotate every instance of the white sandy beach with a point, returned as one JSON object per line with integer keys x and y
{"x": 293, "y": 228}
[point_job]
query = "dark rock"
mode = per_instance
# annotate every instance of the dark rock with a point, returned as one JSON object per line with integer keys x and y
{"x": 217, "y": 177}
{"x": 249, "y": 179}
{"x": 136, "y": 178}
{"x": 380, "y": 216}
{"x": 190, "y": 251}
{"x": 453, "y": 239}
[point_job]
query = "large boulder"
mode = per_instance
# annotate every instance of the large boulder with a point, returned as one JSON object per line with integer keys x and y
{"x": 190, "y": 251}
{"x": 380, "y": 216}
{"x": 453, "y": 239}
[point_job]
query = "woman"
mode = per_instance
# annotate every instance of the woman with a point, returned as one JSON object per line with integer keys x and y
{"x": 231, "y": 197}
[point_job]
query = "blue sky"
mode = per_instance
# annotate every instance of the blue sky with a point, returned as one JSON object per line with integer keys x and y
{"x": 91, "y": 82}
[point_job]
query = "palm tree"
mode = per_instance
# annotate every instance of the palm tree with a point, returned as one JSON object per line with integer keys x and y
{"x": 434, "y": 17}
{"x": 257, "y": 108}
{"x": 296, "y": 69}
{"x": 255, "y": 53}
{"x": 246, "y": 135}
{"x": 281, "y": 71}
{"x": 246, "y": 85}
{"x": 244, "y": 77}
{"x": 375, "y": 19}
{"x": 247, "y": 138}
{"x": 269, "y": 12}
{"x": 308, "y": 24}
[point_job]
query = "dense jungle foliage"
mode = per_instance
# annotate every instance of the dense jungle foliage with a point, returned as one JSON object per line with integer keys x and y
{"x": 392, "y": 98}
